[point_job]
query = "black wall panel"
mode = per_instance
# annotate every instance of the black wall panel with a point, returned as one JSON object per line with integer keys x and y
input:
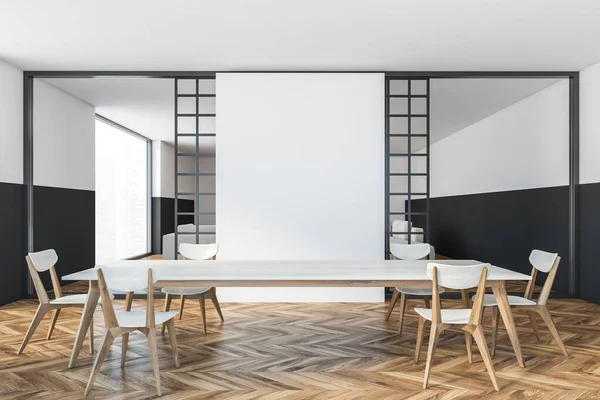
{"x": 12, "y": 243}
{"x": 502, "y": 227}
{"x": 589, "y": 240}
{"x": 163, "y": 218}
{"x": 64, "y": 220}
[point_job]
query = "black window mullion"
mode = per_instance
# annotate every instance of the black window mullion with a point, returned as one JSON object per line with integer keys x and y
{"x": 409, "y": 151}
{"x": 176, "y": 143}
{"x": 387, "y": 169}
{"x": 197, "y": 166}
{"x": 427, "y": 237}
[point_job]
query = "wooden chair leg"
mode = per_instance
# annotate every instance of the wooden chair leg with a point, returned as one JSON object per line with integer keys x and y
{"x": 91, "y": 334}
{"x": 128, "y": 301}
{"x": 468, "y": 344}
{"x": 53, "y": 320}
{"x": 464, "y": 294}
{"x": 402, "y": 308}
{"x": 154, "y": 357}
{"x": 494, "y": 329}
{"x": 84, "y": 323}
{"x": 173, "y": 338}
{"x": 534, "y": 326}
{"x": 395, "y": 295}
{"x": 433, "y": 340}
{"x": 182, "y": 302}
{"x": 125, "y": 337}
{"x": 124, "y": 347}
{"x": 202, "y": 311}
{"x": 420, "y": 334}
{"x": 509, "y": 322}
{"x": 106, "y": 343}
{"x": 427, "y": 300}
{"x": 167, "y": 308}
{"x": 483, "y": 350}
{"x": 213, "y": 297}
{"x": 545, "y": 314}
{"x": 37, "y": 318}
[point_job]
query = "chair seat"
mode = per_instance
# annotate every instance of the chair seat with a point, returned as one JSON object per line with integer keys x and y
{"x": 490, "y": 300}
{"x": 184, "y": 291}
{"x": 75, "y": 299}
{"x": 418, "y": 291}
{"x": 453, "y": 316}
{"x": 137, "y": 319}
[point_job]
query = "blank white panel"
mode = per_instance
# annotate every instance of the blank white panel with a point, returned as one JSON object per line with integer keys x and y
{"x": 11, "y": 124}
{"x": 300, "y": 174}
{"x": 63, "y": 139}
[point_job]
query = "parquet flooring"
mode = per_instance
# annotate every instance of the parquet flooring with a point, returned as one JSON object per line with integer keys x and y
{"x": 302, "y": 351}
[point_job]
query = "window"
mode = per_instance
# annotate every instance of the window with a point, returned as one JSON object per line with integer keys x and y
{"x": 122, "y": 192}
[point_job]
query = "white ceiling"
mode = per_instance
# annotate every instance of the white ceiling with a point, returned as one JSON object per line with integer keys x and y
{"x": 146, "y": 105}
{"x": 415, "y": 35}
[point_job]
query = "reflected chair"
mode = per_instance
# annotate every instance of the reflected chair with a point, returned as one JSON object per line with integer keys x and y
{"x": 192, "y": 251}
{"x": 409, "y": 252}
{"x": 455, "y": 277}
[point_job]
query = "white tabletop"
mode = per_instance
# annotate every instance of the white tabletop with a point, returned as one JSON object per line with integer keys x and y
{"x": 264, "y": 271}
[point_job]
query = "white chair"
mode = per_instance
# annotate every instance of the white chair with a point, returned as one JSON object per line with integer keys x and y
{"x": 123, "y": 322}
{"x": 455, "y": 277}
{"x": 409, "y": 252}
{"x": 43, "y": 261}
{"x": 401, "y": 229}
{"x": 544, "y": 262}
{"x": 195, "y": 252}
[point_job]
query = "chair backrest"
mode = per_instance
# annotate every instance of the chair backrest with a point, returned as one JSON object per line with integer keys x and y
{"x": 542, "y": 260}
{"x": 417, "y": 236}
{"x": 401, "y": 228}
{"x": 194, "y": 251}
{"x": 403, "y": 251}
{"x": 134, "y": 279}
{"x": 458, "y": 277}
{"x": 545, "y": 262}
{"x": 42, "y": 261}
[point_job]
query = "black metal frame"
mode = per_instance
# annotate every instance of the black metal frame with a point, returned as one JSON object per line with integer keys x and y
{"x": 148, "y": 141}
{"x": 197, "y": 95}
{"x": 409, "y": 174}
{"x": 573, "y": 77}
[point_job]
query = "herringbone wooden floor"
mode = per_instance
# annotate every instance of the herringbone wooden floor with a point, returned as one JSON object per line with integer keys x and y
{"x": 302, "y": 351}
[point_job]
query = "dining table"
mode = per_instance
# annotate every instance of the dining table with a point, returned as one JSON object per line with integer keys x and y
{"x": 290, "y": 273}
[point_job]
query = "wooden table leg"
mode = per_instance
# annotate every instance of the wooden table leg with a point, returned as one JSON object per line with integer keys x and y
{"x": 86, "y": 318}
{"x": 504, "y": 307}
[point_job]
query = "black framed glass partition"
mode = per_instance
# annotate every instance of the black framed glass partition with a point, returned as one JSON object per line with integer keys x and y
{"x": 407, "y": 160}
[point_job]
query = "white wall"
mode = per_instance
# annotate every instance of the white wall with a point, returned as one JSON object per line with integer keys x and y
{"x": 163, "y": 169}
{"x": 523, "y": 146}
{"x": 64, "y": 140}
{"x": 300, "y": 169}
{"x": 589, "y": 124}
{"x": 11, "y": 124}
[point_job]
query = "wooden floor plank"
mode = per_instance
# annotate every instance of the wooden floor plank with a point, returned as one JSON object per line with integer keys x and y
{"x": 298, "y": 351}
